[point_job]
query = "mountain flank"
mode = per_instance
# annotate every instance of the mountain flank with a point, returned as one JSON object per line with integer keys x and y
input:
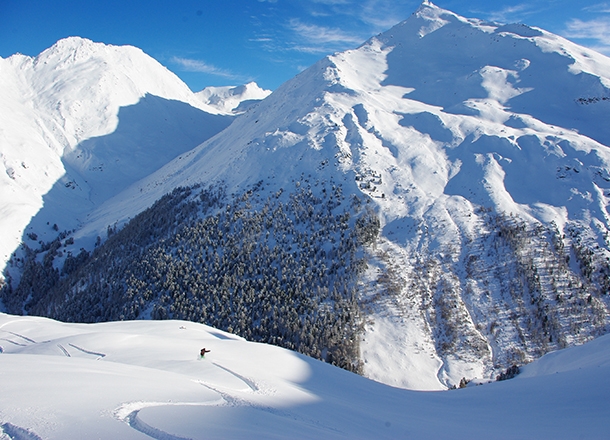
{"x": 429, "y": 207}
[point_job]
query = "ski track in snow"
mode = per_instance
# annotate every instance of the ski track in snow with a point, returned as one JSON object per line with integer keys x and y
{"x": 128, "y": 413}
{"x": 61, "y": 347}
{"x": 13, "y": 342}
{"x": 13, "y": 432}
{"x": 22, "y": 337}
{"x": 19, "y": 336}
{"x": 93, "y": 353}
{"x": 235, "y": 401}
{"x": 148, "y": 430}
{"x": 245, "y": 380}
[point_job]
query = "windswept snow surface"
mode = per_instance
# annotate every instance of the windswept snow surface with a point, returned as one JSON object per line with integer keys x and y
{"x": 143, "y": 379}
{"x": 439, "y": 120}
{"x": 81, "y": 122}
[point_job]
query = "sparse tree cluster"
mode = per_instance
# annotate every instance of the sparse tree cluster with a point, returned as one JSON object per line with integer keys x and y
{"x": 536, "y": 302}
{"x": 510, "y": 288}
{"x": 510, "y": 373}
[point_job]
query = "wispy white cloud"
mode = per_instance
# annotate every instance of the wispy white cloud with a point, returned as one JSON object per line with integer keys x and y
{"x": 326, "y": 26}
{"x": 332, "y": 2}
{"x": 357, "y": 20}
{"x": 511, "y": 14}
{"x": 322, "y": 34}
{"x": 192, "y": 65}
{"x": 597, "y": 30}
{"x": 377, "y": 15}
{"x": 603, "y": 8}
{"x": 380, "y": 15}
{"x": 313, "y": 38}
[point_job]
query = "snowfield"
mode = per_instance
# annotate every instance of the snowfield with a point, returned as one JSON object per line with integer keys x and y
{"x": 484, "y": 150}
{"x": 144, "y": 379}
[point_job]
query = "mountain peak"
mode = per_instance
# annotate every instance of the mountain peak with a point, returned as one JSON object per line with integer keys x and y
{"x": 68, "y": 101}
{"x": 232, "y": 100}
{"x": 71, "y": 45}
{"x": 428, "y": 10}
{"x": 74, "y": 42}
{"x": 425, "y": 4}
{"x": 77, "y": 50}
{"x": 438, "y": 121}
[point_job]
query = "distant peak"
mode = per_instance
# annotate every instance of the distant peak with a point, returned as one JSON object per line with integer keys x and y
{"x": 232, "y": 99}
{"x": 429, "y": 11}
{"x": 72, "y": 42}
{"x": 426, "y": 4}
{"x": 70, "y": 45}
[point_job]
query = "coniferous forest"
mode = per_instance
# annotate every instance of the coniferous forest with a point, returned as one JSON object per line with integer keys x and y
{"x": 285, "y": 267}
{"x": 281, "y": 270}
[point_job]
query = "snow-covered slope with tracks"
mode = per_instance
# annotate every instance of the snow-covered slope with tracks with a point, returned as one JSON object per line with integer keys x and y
{"x": 485, "y": 149}
{"x": 143, "y": 379}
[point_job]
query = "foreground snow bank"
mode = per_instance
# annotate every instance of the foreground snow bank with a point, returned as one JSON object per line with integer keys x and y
{"x": 144, "y": 378}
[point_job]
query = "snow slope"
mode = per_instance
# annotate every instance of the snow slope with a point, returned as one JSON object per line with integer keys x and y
{"x": 80, "y": 123}
{"x": 143, "y": 379}
{"x": 441, "y": 120}
{"x": 457, "y": 127}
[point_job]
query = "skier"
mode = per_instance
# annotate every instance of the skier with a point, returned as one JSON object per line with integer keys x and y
{"x": 203, "y": 352}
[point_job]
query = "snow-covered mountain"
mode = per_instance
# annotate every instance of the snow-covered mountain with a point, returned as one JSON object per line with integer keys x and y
{"x": 81, "y": 122}
{"x": 144, "y": 379}
{"x": 232, "y": 100}
{"x": 482, "y": 149}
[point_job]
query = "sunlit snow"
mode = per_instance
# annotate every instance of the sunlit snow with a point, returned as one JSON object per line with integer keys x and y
{"x": 144, "y": 379}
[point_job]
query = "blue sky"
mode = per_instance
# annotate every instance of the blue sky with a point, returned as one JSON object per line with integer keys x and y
{"x": 230, "y": 42}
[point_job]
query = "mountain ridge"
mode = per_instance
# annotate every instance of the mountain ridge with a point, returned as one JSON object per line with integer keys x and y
{"x": 491, "y": 192}
{"x": 66, "y": 113}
